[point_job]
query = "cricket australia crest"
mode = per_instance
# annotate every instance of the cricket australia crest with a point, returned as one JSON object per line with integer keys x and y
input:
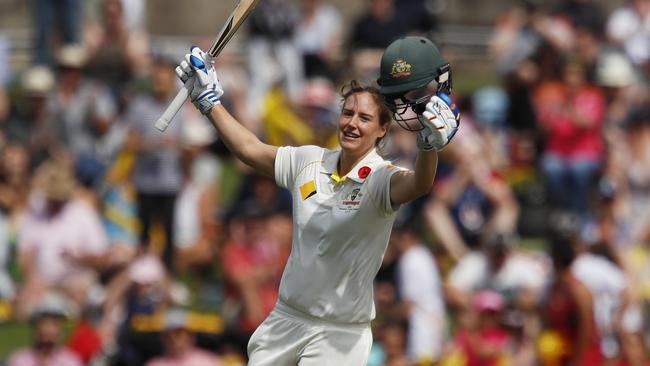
{"x": 352, "y": 201}
{"x": 400, "y": 69}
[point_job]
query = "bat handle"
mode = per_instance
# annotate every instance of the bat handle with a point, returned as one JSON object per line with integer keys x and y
{"x": 174, "y": 106}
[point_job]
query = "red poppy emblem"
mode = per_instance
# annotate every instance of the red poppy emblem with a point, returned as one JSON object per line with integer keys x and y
{"x": 364, "y": 171}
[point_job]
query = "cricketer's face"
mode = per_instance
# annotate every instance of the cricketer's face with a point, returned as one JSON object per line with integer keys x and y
{"x": 359, "y": 127}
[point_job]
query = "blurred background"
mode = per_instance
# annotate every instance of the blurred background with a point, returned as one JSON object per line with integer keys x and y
{"x": 120, "y": 245}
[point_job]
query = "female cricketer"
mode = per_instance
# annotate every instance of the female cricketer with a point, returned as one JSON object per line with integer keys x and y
{"x": 344, "y": 201}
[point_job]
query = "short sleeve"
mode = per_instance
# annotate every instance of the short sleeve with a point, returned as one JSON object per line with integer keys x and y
{"x": 285, "y": 166}
{"x": 289, "y": 162}
{"x": 379, "y": 188}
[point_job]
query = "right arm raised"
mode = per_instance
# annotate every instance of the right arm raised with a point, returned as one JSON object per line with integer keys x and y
{"x": 242, "y": 142}
{"x": 205, "y": 95}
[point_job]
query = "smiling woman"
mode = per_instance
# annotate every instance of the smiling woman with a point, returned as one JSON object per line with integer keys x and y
{"x": 344, "y": 205}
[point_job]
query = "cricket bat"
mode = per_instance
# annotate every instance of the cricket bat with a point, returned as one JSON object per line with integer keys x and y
{"x": 235, "y": 20}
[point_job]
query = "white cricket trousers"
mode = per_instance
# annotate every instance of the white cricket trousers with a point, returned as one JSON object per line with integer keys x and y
{"x": 290, "y": 338}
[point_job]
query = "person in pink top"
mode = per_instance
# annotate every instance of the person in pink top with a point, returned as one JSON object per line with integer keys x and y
{"x": 47, "y": 330}
{"x": 61, "y": 241}
{"x": 180, "y": 348}
{"x": 571, "y": 114}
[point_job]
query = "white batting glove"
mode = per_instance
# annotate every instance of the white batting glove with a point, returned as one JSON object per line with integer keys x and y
{"x": 206, "y": 89}
{"x": 441, "y": 120}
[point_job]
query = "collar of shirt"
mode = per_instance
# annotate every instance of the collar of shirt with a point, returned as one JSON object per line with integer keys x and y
{"x": 330, "y": 163}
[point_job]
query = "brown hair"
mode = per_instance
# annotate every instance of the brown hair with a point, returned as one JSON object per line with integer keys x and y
{"x": 355, "y": 87}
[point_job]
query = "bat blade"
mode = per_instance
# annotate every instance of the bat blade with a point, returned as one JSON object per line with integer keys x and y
{"x": 235, "y": 20}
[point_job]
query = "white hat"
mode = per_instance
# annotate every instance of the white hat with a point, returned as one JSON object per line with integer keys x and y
{"x": 52, "y": 304}
{"x": 614, "y": 70}
{"x": 72, "y": 55}
{"x": 38, "y": 80}
{"x": 198, "y": 132}
{"x": 147, "y": 270}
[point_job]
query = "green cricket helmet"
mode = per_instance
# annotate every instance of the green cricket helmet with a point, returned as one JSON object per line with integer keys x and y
{"x": 412, "y": 70}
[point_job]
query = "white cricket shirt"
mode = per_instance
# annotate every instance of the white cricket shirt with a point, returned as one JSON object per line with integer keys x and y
{"x": 341, "y": 228}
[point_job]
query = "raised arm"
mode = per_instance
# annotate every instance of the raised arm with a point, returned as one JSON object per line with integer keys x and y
{"x": 440, "y": 125}
{"x": 242, "y": 142}
{"x": 205, "y": 96}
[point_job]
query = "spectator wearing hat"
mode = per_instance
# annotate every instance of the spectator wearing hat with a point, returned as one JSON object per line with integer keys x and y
{"x": 486, "y": 342}
{"x": 30, "y": 122}
{"x": 180, "y": 344}
{"x": 47, "y": 321}
{"x": 85, "y": 109}
{"x": 61, "y": 241}
{"x": 140, "y": 291}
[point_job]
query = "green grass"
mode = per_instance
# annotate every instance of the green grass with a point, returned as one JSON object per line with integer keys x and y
{"x": 13, "y": 335}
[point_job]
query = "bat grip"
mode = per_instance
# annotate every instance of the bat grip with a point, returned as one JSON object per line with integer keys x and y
{"x": 163, "y": 122}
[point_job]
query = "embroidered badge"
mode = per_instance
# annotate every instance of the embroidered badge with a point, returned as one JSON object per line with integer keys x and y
{"x": 400, "y": 69}
{"x": 308, "y": 189}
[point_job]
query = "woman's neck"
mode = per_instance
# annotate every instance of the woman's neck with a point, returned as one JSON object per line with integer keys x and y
{"x": 347, "y": 161}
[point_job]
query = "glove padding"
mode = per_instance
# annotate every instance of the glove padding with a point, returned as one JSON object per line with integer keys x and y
{"x": 206, "y": 89}
{"x": 441, "y": 120}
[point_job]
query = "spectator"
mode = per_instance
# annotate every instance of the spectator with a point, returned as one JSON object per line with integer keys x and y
{"x": 628, "y": 27}
{"x": 371, "y": 33}
{"x": 85, "y": 109}
{"x": 487, "y": 343}
{"x": 14, "y": 182}
{"x": 377, "y": 27}
{"x": 157, "y": 172}
{"x": 610, "y": 288}
{"x": 420, "y": 290}
{"x": 47, "y": 321}
{"x": 583, "y": 14}
{"x": 134, "y": 298}
{"x": 31, "y": 124}
{"x": 272, "y": 56}
{"x": 251, "y": 260}
{"x": 523, "y": 32}
{"x": 318, "y": 38}
{"x": 568, "y": 314}
{"x": 61, "y": 241}
{"x": 518, "y": 276}
{"x": 473, "y": 201}
{"x": 116, "y": 53}
{"x": 571, "y": 114}
{"x": 179, "y": 342}
{"x": 197, "y": 230}
{"x": 49, "y": 14}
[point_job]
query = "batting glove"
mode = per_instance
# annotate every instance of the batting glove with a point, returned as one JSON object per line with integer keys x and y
{"x": 441, "y": 120}
{"x": 206, "y": 89}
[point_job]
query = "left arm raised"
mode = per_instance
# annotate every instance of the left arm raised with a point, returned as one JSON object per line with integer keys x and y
{"x": 409, "y": 185}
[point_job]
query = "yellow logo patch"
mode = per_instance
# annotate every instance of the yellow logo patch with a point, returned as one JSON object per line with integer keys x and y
{"x": 308, "y": 189}
{"x": 400, "y": 69}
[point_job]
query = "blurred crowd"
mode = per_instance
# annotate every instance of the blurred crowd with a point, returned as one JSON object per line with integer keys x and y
{"x": 121, "y": 245}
